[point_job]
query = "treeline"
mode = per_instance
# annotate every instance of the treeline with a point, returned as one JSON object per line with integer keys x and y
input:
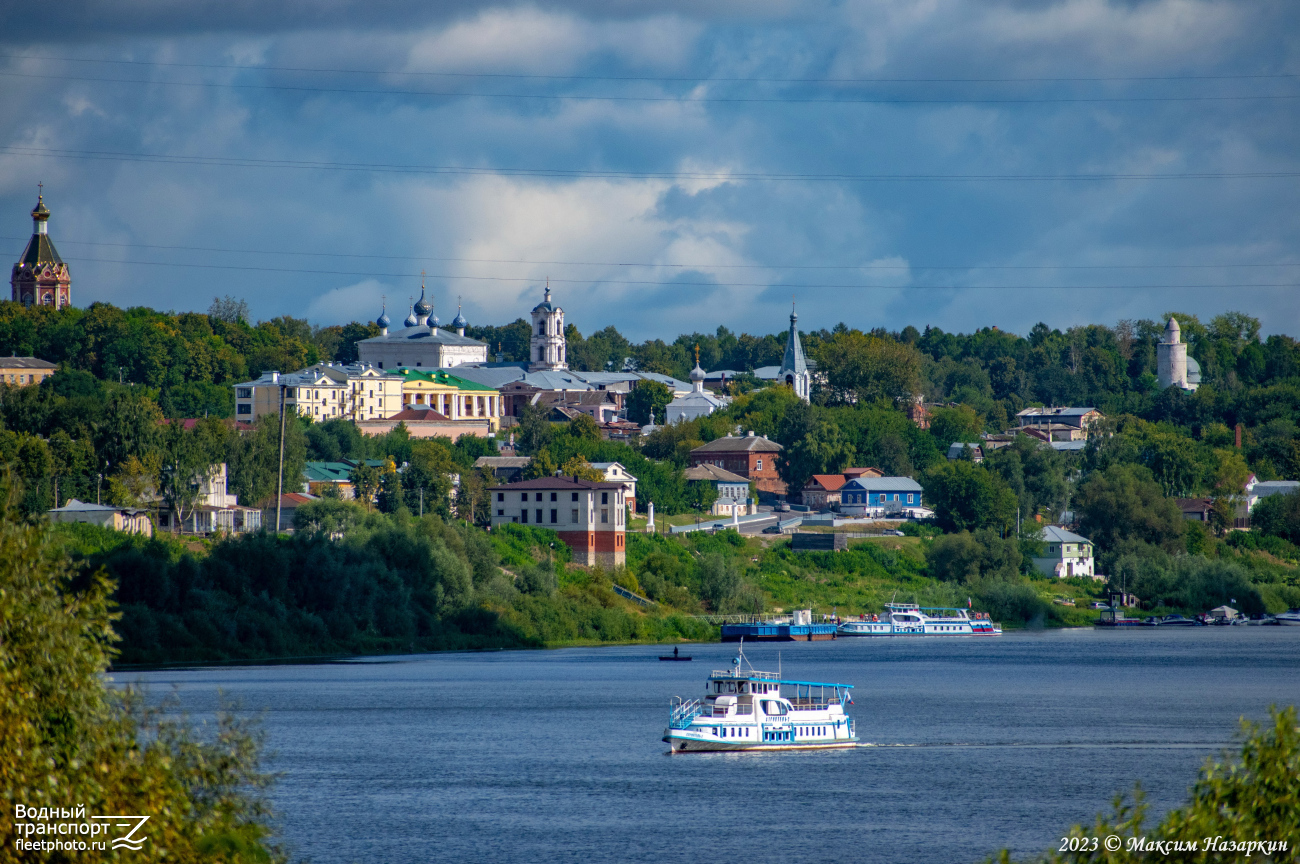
{"x": 353, "y": 582}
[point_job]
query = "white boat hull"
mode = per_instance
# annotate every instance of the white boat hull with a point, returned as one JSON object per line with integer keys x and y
{"x": 687, "y": 743}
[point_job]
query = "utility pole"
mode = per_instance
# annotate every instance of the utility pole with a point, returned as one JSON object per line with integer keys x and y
{"x": 421, "y": 502}
{"x": 279, "y": 485}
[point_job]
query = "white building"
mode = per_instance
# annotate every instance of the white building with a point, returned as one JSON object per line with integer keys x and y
{"x": 698, "y": 403}
{"x": 326, "y": 391}
{"x": 1065, "y": 554}
{"x": 547, "y": 343}
{"x": 422, "y": 343}
{"x": 1173, "y": 366}
{"x": 616, "y": 473}
{"x": 794, "y": 372}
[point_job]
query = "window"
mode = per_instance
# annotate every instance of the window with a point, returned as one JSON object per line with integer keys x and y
{"x": 539, "y": 496}
{"x": 245, "y": 393}
{"x": 523, "y": 497}
{"x": 539, "y": 516}
{"x": 760, "y": 464}
{"x": 555, "y": 516}
{"x": 244, "y": 409}
{"x": 501, "y": 496}
{"x": 501, "y": 512}
{"x": 604, "y": 497}
{"x": 575, "y": 515}
{"x": 604, "y": 515}
{"x": 523, "y": 516}
{"x": 554, "y": 496}
{"x": 575, "y": 496}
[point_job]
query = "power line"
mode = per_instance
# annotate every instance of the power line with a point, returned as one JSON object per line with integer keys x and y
{"x": 390, "y": 168}
{"x": 703, "y": 79}
{"x": 690, "y": 100}
{"x": 646, "y": 264}
{"x": 675, "y": 283}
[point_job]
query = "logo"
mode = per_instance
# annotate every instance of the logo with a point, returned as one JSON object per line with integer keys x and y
{"x": 127, "y": 840}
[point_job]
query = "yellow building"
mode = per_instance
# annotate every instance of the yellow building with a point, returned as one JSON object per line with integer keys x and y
{"x": 326, "y": 391}
{"x": 24, "y": 370}
{"x": 454, "y": 397}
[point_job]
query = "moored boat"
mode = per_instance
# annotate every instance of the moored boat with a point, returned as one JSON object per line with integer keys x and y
{"x": 745, "y": 709}
{"x": 1289, "y": 618}
{"x": 909, "y": 619}
{"x": 799, "y": 627}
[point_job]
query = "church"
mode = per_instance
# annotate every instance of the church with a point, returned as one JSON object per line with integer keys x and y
{"x": 422, "y": 342}
{"x": 40, "y": 277}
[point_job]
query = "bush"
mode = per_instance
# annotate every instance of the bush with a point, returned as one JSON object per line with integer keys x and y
{"x": 1013, "y": 603}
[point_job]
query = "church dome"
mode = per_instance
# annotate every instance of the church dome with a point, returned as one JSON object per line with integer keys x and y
{"x": 433, "y": 320}
{"x": 1193, "y": 371}
{"x": 382, "y": 320}
{"x": 40, "y": 212}
{"x": 421, "y": 307}
{"x": 697, "y": 374}
{"x": 459, "y": 320}
{"x": 410, "y": 319}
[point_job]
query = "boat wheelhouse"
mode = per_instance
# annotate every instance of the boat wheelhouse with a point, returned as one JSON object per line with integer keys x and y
{"x": 909, "y": 619}
{"x": 744, "y": 709}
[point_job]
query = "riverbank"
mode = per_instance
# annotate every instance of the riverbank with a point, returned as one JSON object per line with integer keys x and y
{"x": 394, "y": 584}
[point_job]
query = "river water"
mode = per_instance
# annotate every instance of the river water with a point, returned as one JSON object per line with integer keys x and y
{"x": 555, "y": 756}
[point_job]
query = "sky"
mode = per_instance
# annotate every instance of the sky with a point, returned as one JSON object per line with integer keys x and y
{"x": 668, "y": 167}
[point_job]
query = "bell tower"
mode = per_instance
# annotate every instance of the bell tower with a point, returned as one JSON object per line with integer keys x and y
{"x": 40, "y": 277}
{"x": 547, "y": 342}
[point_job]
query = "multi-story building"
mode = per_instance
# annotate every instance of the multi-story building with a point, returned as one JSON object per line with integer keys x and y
{"x": 326, "y": 391}
{"x": 733, "y": 490}
{"x": 752, "y": 457}
{"x": 615, "y": 472}
{"x": 588, "y": 516}
{"x": 453, "y": 397}
{"x": 20, "y": 371}
{"x": 1065, "y": 554}
{"x": 1059, "y": 424}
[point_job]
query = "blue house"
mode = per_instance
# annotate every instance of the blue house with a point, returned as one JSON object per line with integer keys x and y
{"x": 879, "y": 495}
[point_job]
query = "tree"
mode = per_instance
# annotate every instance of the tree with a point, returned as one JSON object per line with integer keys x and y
{"x": 892, "y": 456}
{"x": 73, "y": 739}
{"x": 584, "y": 427}
{"x": 965, "y": 496}
{"x": 185, "y": 464}
{"x": 427, "y": 477}
{"x": 254, "y": 460}
{"x": 541, "y": 465}
{"x": 815, "y": 446}
{"x": 229, "y": 309}
{"x": 719, "y": 581}
{"x": 949, "y": 425}
{"x": 862, "y": 369}
{"x": 535, "y": 429}
{"x": 647, "y": 401}
{"x": 700, "y": 495}
{"x": 1124, "y": 502}
{"x": 580, "y": 469}
{"x": 473, "y": 502}
{"x": 1278, "y": 516}
{"x": 366, "y": 481}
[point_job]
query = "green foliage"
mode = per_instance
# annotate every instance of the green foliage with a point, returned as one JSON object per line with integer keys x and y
{"x": 964, "y": 557}
{"x": 535, "y": 429}
{"x": 1123, "y": 505}
{"x": 965, "y": 496}
{"x": 72, "y": 740}
{"x": 812, "y": 444}
{"x": 1278, "y": 516}
{"x": 647, "y": 401}
{"x": 862, "y": 369}
{"x": 1253, "y": 797}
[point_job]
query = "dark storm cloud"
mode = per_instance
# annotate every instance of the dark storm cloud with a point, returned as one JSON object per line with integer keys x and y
{"x": 659, "y": 255}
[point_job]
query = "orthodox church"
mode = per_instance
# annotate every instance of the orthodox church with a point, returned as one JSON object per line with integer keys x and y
{"x": 421, "y": 342}
{"x": 40, "y": 277}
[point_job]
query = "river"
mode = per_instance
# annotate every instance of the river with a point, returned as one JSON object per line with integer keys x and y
{"x": 555, "y": 756}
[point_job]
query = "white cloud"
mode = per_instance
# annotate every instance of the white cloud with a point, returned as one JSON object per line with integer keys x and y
{"x": 355, "y": 301}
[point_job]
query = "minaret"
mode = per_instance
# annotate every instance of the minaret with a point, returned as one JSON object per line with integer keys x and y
{"x": 40, "y": 277}
{"x": 547, "y": 343}
{"x": 794, "y": 369}
{"x": 1171, "y": 357}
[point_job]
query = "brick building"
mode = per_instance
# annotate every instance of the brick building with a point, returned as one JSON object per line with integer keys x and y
{"x": 589, "y": 517}
{"x": 751, "y": 456}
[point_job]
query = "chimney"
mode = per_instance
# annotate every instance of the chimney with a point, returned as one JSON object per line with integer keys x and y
{"x": 1238, "y": 436}
{"x": 275, "y": 377}
{"x": 751, "y": 433}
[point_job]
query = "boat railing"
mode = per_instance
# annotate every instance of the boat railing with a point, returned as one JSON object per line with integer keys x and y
{"x": 723, "y": 710}
{"x": 683, "y": 712}
{"x": 733, "y": 673}
{"x": 812, "y": 704}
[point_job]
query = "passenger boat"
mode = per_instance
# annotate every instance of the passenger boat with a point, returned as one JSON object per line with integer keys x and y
{"x": 909, "y": 619}
{"x": 1289, "y": 618}
{"x": 744, "y": 709}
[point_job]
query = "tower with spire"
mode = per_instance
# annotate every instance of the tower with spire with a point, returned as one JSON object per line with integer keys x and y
{"x": 547, "y": 343}
{"x": 794, "y": 368}
{"x": 40, "y": 277}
